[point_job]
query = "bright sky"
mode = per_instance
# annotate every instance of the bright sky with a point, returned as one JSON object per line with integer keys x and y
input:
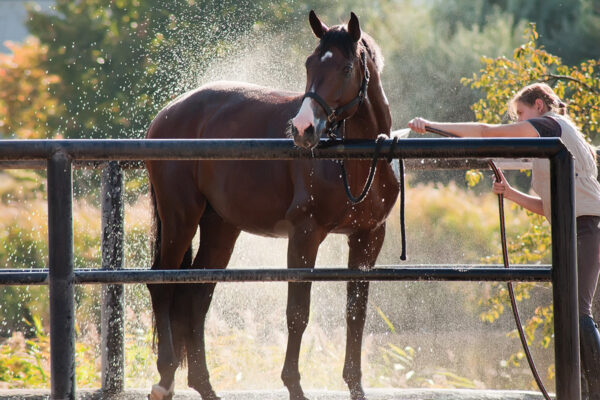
{"x": 12, "y": 20}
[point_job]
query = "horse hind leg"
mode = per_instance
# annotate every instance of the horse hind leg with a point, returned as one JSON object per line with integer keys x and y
{"x": 217, "y": 240}
{"x": 176, "y": 233}
{"x": 177, "y": 319}
{"x": 169, "y": 339}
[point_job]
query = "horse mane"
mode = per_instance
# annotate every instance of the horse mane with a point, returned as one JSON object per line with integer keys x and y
{"x": 337, "y": 36}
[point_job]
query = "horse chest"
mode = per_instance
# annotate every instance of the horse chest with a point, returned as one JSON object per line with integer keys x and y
{"x": 324, "y": 197}
{"x": 366, "y": 215}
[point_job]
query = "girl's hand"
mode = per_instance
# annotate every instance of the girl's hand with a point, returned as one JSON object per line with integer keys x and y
{"x": 418, "y": 124}
{"x": 502, "y": 187}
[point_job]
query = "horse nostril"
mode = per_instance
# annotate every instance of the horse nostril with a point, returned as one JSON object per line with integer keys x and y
{"x": 310, "y": 130}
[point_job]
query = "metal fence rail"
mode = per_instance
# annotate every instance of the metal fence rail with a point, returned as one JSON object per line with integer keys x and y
{"x": 411, "y": 273}
{"x": 60, "y": 155}
{"x": 273, "y": 149}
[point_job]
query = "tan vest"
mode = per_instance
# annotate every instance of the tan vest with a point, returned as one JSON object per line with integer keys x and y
{"x": 587, "y": 188}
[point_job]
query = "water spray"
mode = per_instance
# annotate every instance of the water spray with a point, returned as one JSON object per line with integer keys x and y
{"x": 511, "y": 293}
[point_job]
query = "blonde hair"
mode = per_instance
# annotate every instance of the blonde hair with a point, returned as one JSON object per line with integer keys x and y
{"x": 528, "y": 96}
{"x": 530, "y": 93}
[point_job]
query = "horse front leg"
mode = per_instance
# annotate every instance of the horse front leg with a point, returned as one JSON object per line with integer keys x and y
{"x": 302, "y": 252}
{"x": 364, "y": 249}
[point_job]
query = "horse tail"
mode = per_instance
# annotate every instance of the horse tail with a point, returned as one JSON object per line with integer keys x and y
{"x": 156, "y": 228}
{"x": 155, "y": 234}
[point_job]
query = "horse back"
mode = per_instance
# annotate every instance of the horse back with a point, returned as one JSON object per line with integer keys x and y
{"x": 226, "y": 110}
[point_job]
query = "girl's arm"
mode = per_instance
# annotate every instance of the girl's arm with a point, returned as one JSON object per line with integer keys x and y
{"x": 532, "y": 203}
{"x": 474, "y": 129}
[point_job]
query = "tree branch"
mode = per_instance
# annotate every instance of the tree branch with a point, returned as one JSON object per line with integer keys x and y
{"x": 554, "y": 77}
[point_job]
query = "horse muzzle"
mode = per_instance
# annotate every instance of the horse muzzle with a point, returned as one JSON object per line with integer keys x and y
{"x": 306, "y": 138}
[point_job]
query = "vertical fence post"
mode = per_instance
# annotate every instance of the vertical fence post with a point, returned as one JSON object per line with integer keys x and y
{"x": 113, "y": 320}
{"x": 564, "y": 278}
{"x": 60, "y": 277}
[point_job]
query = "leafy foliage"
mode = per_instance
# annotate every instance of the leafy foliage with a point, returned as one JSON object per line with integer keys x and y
{"x": 500, "y": 78}
{"x": 27, "y": 107}
{"x": 25, "y": 363}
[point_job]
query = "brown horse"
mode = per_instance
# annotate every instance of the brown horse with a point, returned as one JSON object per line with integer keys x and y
{"x": 303, "y": 200}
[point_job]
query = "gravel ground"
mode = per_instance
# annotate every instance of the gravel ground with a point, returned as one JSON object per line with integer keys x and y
{"x": 374, "y": 394}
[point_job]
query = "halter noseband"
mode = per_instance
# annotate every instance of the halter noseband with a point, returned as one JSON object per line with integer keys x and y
{"x": 333, "y": 123}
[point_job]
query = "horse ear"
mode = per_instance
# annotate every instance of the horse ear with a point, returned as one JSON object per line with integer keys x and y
{"x": 317, "y": 26}
{"x": 354, "y": 27}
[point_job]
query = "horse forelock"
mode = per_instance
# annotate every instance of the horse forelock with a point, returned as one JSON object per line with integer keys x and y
{"x": 339, "y": 38}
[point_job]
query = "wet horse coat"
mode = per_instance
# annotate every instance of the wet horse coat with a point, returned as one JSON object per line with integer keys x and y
{"x": 303, "y": 200}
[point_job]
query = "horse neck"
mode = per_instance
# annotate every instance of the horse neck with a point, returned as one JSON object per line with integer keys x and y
{"x": 373, "y": 116}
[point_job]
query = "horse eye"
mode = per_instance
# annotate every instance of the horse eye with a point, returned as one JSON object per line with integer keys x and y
{"x": 348, "y": 69}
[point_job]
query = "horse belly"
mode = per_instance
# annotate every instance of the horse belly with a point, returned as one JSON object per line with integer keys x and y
{"x": 252, "y": 195}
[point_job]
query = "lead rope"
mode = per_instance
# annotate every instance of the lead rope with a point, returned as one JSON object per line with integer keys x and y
{"x": 511, "y": 293}
{"x": 369, "y": 181}
{"x": 367, "y": 186}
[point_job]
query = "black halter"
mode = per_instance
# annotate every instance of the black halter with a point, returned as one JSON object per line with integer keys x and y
{"x": 333, "y": 121}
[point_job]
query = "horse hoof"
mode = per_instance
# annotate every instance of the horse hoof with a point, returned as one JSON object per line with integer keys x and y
{"x": 210, "y": 396}
{"x": 298, "y": 397}
{"x": 206, "y": 392}
{"x": 160, "y": 393}
{"x": 357, "y": 394}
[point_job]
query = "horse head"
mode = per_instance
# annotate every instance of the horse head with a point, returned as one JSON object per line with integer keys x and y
{"x": 337, "y": 77}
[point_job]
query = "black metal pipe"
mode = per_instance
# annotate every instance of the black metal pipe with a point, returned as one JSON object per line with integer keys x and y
{"x": 564, "y": 277}
{"x": 113, "y": 309}
{"x": 275, "y": 149}
{"x": 410, "y": 164}
{"x": 60, "y": 277}
{"x": 415, "y": 273}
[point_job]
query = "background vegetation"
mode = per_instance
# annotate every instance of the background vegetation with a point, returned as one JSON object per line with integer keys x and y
{"x": 103, "y": 68}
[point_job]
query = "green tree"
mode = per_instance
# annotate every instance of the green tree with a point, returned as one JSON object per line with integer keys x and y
{"x": 570, "y": 29}
{"x": 500, "y": 78}
{"x": 27, "y": 108}
{"x": 579, "y": 87}
{"x": 119, "y": 61}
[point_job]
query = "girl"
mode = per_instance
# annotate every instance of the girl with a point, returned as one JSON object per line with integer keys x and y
{"x": 540, "y": 113}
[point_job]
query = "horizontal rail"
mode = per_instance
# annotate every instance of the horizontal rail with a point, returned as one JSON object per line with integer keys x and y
{"x": 274, "y": 149}
{"x": 410, "y": 164}
{"x": 392, "y": 273}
